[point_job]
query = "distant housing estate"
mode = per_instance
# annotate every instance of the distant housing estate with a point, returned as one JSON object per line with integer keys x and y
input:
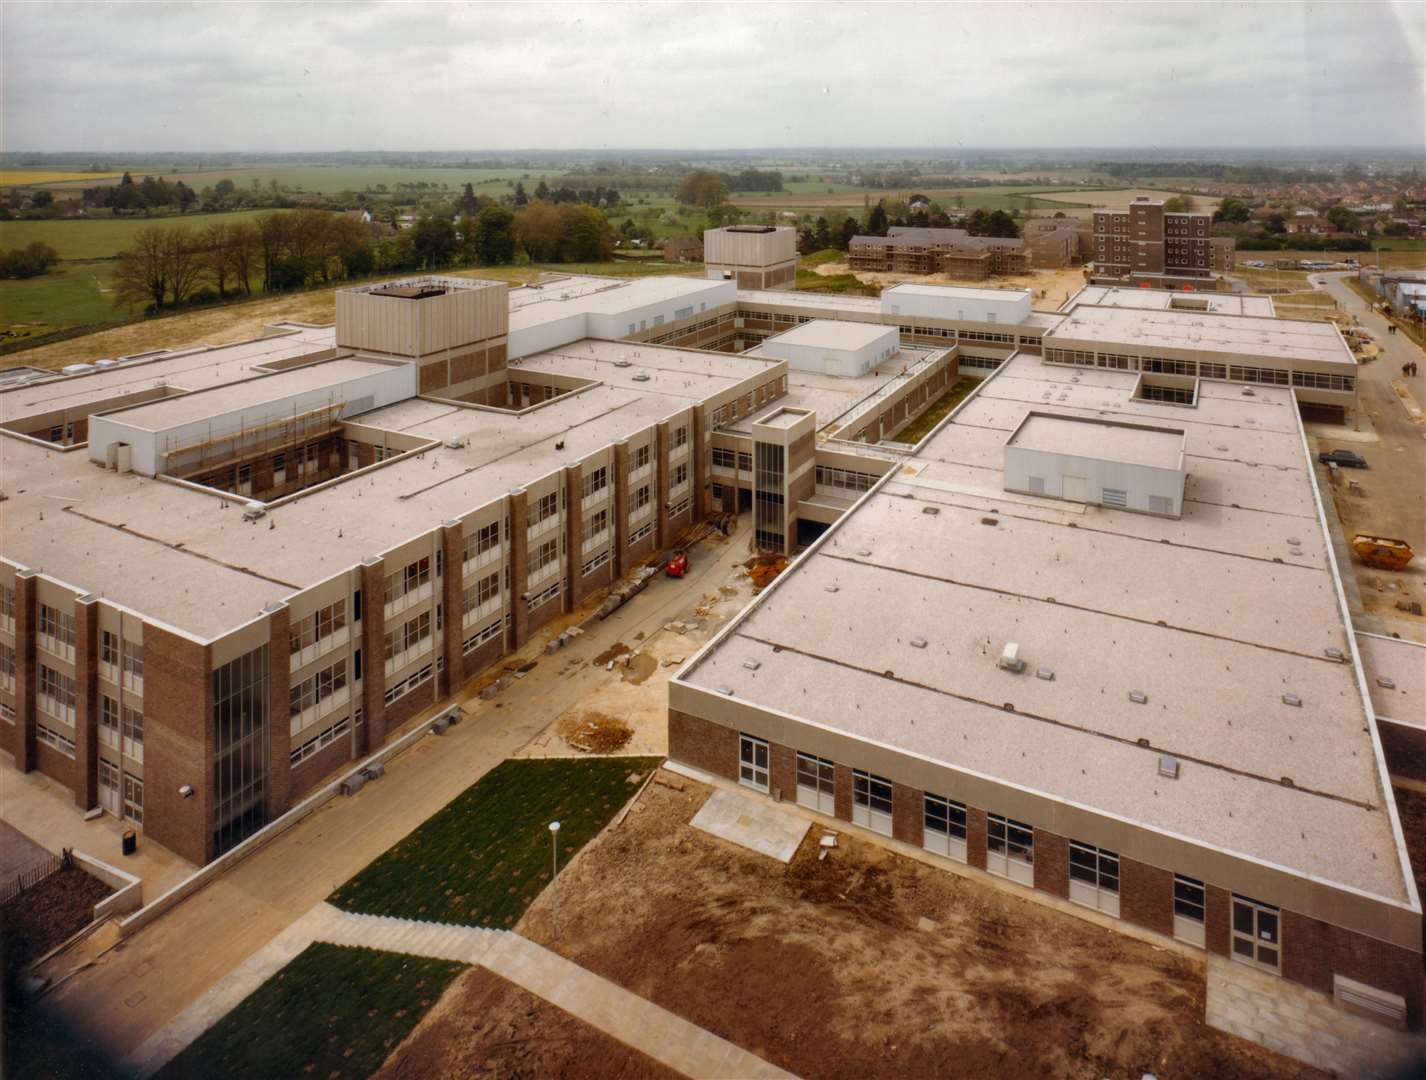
{"x": 912, "y": 249}
{"x": 1145, "y": 244}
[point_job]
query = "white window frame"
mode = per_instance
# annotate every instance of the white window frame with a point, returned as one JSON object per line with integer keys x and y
{"x": 1190, "y": 895}
{"x": 951, "y": 840}
{"x": 1094, "y": 877}
{"x": 1010, "y": 849}
{"x": 872, "y": 801}
{"x": 816, "y": 783}
{"x": 754, "y": 762}
{"x": 1262, "y": 938}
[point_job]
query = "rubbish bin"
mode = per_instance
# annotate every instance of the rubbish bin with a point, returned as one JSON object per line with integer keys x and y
{"x": 131, "y": 841}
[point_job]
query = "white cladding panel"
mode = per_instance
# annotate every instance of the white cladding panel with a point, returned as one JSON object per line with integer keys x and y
{"x": 828, "y": 360}
{"x": 950, "y": 302}
{"x": 385, "y": 386}
{"x": 1087, "y": 479}
{"x": 729, "y": 247}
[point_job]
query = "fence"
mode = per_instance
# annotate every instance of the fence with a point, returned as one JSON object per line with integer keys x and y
{"x": 29, "y": 878}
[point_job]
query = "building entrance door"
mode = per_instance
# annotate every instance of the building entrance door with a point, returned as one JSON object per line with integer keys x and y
{"x": 1076, "y": 488}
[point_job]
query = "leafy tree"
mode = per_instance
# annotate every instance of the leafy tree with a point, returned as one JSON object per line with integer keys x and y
{"x": 849, "y": 229}
{"x": 1275, "y": 223}
{"x": 494, "y": 228}
{"x": 823, "y": 234}
{"x": 723, "y": 214}
{"x": 806, "y": 242}
{"x": 702, "y": 188}
{"x": 42, "y": 199}
{"x": 1342, "y": 219}
{"x": 1174, "y": 205}
{"x": 468, "y": 203}
{"x": 542, "y": 190}
{"x": 1232, "y": 211}
{"x": 521, "y": 199}
{"x": 434, "y": 241}
{"x": 224, "y": 188}
{"x": 876, "y": 223}
{"x": 28, "y": 262}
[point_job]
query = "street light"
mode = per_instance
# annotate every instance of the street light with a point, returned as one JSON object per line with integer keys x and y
{"x": 554, "y": 873}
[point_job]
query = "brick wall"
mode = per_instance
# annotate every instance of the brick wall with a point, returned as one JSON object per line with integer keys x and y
{"x": 58, "y": 767}
{"x": 1405, "y": 750}
{"x": 304, "y": 777}
{"x": 373, "y": 652}
{"x": 279, "y": 711}
{"x": 573, "y": 536}
{"x": 842, "y": 795}
{"x": 907, "y": 818}
{"x": 619, "y": 476}
{"x": 475, "y": 662}
{"x": 975, "y": 837}
{"x": 1051, "y": 863}
{"x": 453, "y": 604}
{"x": 23, "y": 745}
{"x": 702, "y": 744}
{"x": 86, "y": 703}
{"x": 1217, "y": 919}
{"x": 1146, "y": 896}
{"x": 660, "y": 492}
{"x": 178, "y": 743}
{"x": 1313, "y": 951}
{"x": 519, "y": 567}
{"x": 782, "y": 771}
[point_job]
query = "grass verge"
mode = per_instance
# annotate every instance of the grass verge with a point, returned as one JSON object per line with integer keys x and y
{"x": 484, "y": 857}
{"x": 917, "y": 430}
{"x": 850, "y": 284}
{"x": 334, "y": 1012}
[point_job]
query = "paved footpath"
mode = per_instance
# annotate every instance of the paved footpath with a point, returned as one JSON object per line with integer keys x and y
{"x": 136, "y": 989}
{"x": 632, "y": 1020}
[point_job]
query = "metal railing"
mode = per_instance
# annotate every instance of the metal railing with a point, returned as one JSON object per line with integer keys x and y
{"x": 30, "y": 877}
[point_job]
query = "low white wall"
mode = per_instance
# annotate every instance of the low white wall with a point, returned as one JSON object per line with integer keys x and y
{"x": 128, "y": 894}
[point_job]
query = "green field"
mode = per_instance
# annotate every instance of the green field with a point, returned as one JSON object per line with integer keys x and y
{"x": 333, "y": 1013}
{"x": 75, "y": 294}
{"x": 484, "y": 857}
{"x": 329, "y": 179}
{"x": 104, "y": 238}
{"x": 919, "y": 428}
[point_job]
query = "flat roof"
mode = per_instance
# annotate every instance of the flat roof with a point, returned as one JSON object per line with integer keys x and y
{"x": 1213, "y": 616}
{"x": 250, "y": 393}
{"x": 599, "y": 296}
{"x": 969, "y": 292}
{"x": 1219, "y": 303}
{"x": 198, "y": 367}
{"x": 834, "y": 334}
{"x": 797, "y": 298}
{"x": 664, "y": 369}
{"x": 784, "y": 417}
{"x": 1107, "y": 440}
{"x": 1204, "y": 331}
{"x": 1396, "y": 677}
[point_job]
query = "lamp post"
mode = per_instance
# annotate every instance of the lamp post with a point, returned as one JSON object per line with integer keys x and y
{"x": 554, "y": 874}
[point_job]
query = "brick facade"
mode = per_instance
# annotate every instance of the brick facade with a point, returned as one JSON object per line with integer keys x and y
{"x": 373, "y": 651}
{"x": 1217, "y": 919}
{"x": 279, "y": 711}
{"x": 842, "y": 793}
{"x": 782, "y": 771}
{"x": 703, "y": 744}
{"x": 907, "y": 817}
{"x": 1051, "y": 864}
{"x": 1146, "y": 896}
{"x": 178, "y": 743}
{"x": 23, "y": 745}
{"x": 86, "y": 702}
{"x": 976, "y": 837}
{"x": 1312, "y": 951}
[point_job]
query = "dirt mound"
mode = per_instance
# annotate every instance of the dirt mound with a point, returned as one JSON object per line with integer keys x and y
{"x": 484, "y": 1026}
{"x": 595, "y": 732}
{"x": 763, "y": 568}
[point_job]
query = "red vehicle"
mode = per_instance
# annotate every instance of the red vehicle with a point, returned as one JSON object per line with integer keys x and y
{"x": 678, "y": 565}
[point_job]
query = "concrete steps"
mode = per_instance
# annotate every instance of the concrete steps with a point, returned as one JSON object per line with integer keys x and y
{"x": 441, "y": 941}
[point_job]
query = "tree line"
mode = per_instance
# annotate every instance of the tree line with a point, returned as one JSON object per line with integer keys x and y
{"x": 169, "y": 266}
{"x": 29, "y": 261}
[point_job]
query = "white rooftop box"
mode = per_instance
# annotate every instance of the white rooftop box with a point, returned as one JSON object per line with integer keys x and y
{"x": 1118, "y": 465}
{"x": 955, "y": 302}
{"x": 832, "y": 347}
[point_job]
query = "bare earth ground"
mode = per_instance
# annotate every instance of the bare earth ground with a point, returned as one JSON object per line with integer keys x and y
{"x": 822, "y": 967}
{"x": 46, "y": 914}
{"x": 1411, "y": 806}
{"x": 484, "y": 1026}
{"x": 1050, "y": 288}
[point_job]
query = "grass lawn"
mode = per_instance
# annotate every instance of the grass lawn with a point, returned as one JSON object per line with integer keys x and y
{"x": 73, "y": 294}
{"x": 104, "y": 238}
{"x": 917, "y": 430}
{"x": 334, "y": 1012}
{"x": 819, "y": 258}
{"x": 485, "y": 855}
{"x": 811, "y": 281}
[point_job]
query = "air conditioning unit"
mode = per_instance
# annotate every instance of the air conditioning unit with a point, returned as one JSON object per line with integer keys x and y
{"x": 353, "y": 783}
{"x": 1010, "y": 658}
{"x": 455, "y": 442}
{"x": 254, "y": 511}
{"x": 438, "y": 727}
{"x": 623, "y": 363}
{"x": 375, "y": 771}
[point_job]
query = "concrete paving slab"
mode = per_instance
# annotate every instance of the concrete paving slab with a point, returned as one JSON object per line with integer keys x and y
{"x": 755, "y": 824}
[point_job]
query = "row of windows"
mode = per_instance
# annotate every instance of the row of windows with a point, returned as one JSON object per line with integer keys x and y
{"x": 595, "y": 526}
{"x": 322, "y": 623}
{"x": 408, "y": 579}
{"x": 544, "y": 596}
{"x": 1094, "y": 872}
{"x": 486, "y": 538}
{"x": 484, "y": 591}
{"x": 406, "y": 685}
{"x": 546, "y": 506}
{"x": 121, "y": 727}
{"x": 7, "y": 603}
{"x": 408, "y": 635}
{"x": 58, "y": 626}
{"x": 7, "y": 665}
{"x": 320, "y": 741}
{"x": 317, "y": 688}
{"x": 57, "y": 691}
{"x": 845, "y": 478}
{"x": 128, "y": 656}
{"x": 55, "y": 740}
{"x": 595, "y": 481}
{"x": 639, "y": 534}
{"x": 479, "y": 638}
{"x": 594, "y": 564}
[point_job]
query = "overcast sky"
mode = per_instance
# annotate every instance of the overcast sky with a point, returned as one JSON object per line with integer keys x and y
{"x": 413, "y": 76}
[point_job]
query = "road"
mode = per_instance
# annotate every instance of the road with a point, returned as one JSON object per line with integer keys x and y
{"x": 1392, "y": 498}
{"x": 136, "y": 988}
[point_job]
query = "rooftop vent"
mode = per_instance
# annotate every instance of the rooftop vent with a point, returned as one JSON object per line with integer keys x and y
{"x": 254, "y": 511}
{"x": 1168, "y": 766}
{"x": 918, "y": 643}
{"x": 727, "y": 690}
{"x": 623, "y": 363}
{"x": 642, "y": 376}
{"x": 865, "y": 553}
{"x": 1138, "y": 697}
{"x": 752, "y": 664}
{"x": 1248, "y": 392}
{"x": 932, "y": 510}
{"x": 1292, "y": 699}
{"x": 1334, "y": 653}
{"x": 1046, "y": 673}
{"x": 989, "y": 521}
{"x": 455, "y": 442}
{"x": 833, "y": 588}
{"x": 1385, "y": 683}
{"x": 1010, "y": 658}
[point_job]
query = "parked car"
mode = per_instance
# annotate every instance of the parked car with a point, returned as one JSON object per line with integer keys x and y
{"x": 1343, "y": 459}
